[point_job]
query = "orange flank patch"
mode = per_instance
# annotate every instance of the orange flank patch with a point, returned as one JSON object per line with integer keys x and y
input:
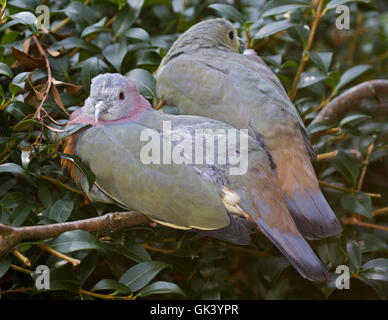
{"x": 69, "y": 149}
{"x": 294, "y": 167}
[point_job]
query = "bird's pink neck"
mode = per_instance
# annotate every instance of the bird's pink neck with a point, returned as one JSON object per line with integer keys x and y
{"x": 139, "y": 106}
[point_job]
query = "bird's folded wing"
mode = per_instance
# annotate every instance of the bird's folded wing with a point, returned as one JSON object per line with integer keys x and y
{"x": 171, "y": 194}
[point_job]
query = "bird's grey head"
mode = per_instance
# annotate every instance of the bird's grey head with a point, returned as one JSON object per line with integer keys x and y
{"x": 209, "y": 33}
{"x": 111, "y": 97}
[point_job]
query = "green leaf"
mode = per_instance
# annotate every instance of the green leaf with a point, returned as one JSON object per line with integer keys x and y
{"x": 353, "y": 118}
{"x": 5, "y": 264}
{"x": 351, "y": 74}
{"x": 228, "y": 12}
{"x": 376, "y": 269}
{"x": 111, "y": 284}
{"x": 12, "y": 200}
{"x": 371, "y": 243}
{"x": 273, "y": 27}
{"x": 20, "y": 214}
{"x": 75, "y": 240}
{"x": 321, "y": 59}
{"x": 354, "y": 254}
{"x": 145, "y": 82}
{"x": 73, "y": 42}
{"x": 125, "y": 18}
{"x": 335, "y": 3}
{"x": 141, "y": 274}
{"x": 90, "y": 68}
{"x": 115, "y": 54}
{"x": 26, "y": 18}
{"x": 137, "y": 33}
{"x": 309, "y": 78}
{"x": 71, "y": 129}
{"x": 6, "y": 70}
{"x": 11, "y": 168}
{"x": 18, "y": 83}
{"x": 333, "y": 80}
{"x": 90, "y": 176}
{"x": 44, "y": 195}
{"x": 26, "y": 124}
{"x": 283, "y": 9}
{"x": 61, "y": 210}
{"x": 348, "y": 166}
{"x": 317, "y": 127}
{"x": 359, "y": 203}
{"x": 160, "y": 287}
{"x": 79, "y": 13}
{"x": 95, "y": 28}
{"x": 133, "y": 251}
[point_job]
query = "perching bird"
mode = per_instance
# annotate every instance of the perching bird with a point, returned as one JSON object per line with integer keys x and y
{"x": 203, "y": 74}
{"x": 205, "y": 197}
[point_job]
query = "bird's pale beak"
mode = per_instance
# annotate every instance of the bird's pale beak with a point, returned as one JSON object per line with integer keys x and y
{"x": 242, "y": 43}
{"x": 100, "y": 108}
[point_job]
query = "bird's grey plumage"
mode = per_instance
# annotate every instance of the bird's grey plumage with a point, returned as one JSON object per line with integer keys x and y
{"x": 203, "y": 196}
{"x": 218, "y": 82}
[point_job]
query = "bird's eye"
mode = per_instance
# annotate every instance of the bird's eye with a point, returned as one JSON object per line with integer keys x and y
{"x": 121, "y": 95}
{"x": 231, "y": 35}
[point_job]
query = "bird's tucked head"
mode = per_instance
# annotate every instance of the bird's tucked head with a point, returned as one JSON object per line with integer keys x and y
{"x": 209, "y": 33}
{"x": 113, "y": 97}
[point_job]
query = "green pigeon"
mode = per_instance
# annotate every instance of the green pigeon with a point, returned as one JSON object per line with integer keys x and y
{"x": 204, "y": 74}
{"x": 143, "y": 160}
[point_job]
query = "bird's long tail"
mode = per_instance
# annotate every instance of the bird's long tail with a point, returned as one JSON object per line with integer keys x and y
{"x": 269, "y": 211}
{"x": 309, "y": 208}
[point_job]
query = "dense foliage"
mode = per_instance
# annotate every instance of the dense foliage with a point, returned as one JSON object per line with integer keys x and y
{"x": 85, "y": 38}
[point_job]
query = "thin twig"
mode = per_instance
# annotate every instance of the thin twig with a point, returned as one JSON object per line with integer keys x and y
{"x": 74, "y": 262}
{"x": 146, "y": 246}
{"x": 348, "y": 190}
{"x": 20, "y": 269}
{"x": 107, "y": 296}
{"x": 355, "y": 221}
{"x": 21, "y": 257}
{"x": 317, "y": 17}
{"x": 327, "y": 155}
{"x": 49, "y": 77}
{"x": 60, "y": 184}
{"x": 380, "y": 211}
{"x": 364, "y": 166}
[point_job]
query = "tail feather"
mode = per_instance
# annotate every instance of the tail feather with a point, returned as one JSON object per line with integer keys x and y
{"x": 309, "y": 209}
{"x": 313, "y": 215}
{"x": 298, "y": 252}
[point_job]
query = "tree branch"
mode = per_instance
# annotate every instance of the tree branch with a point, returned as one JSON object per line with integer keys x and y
{"x": 366, "y": 90}
{"x": 10, "y": 237}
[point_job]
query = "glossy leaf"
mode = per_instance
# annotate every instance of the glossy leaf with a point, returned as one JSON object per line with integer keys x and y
{"x": 141, "y": 274}
{"x": 75, "y": 240}
{"x": 160, "y": 287}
